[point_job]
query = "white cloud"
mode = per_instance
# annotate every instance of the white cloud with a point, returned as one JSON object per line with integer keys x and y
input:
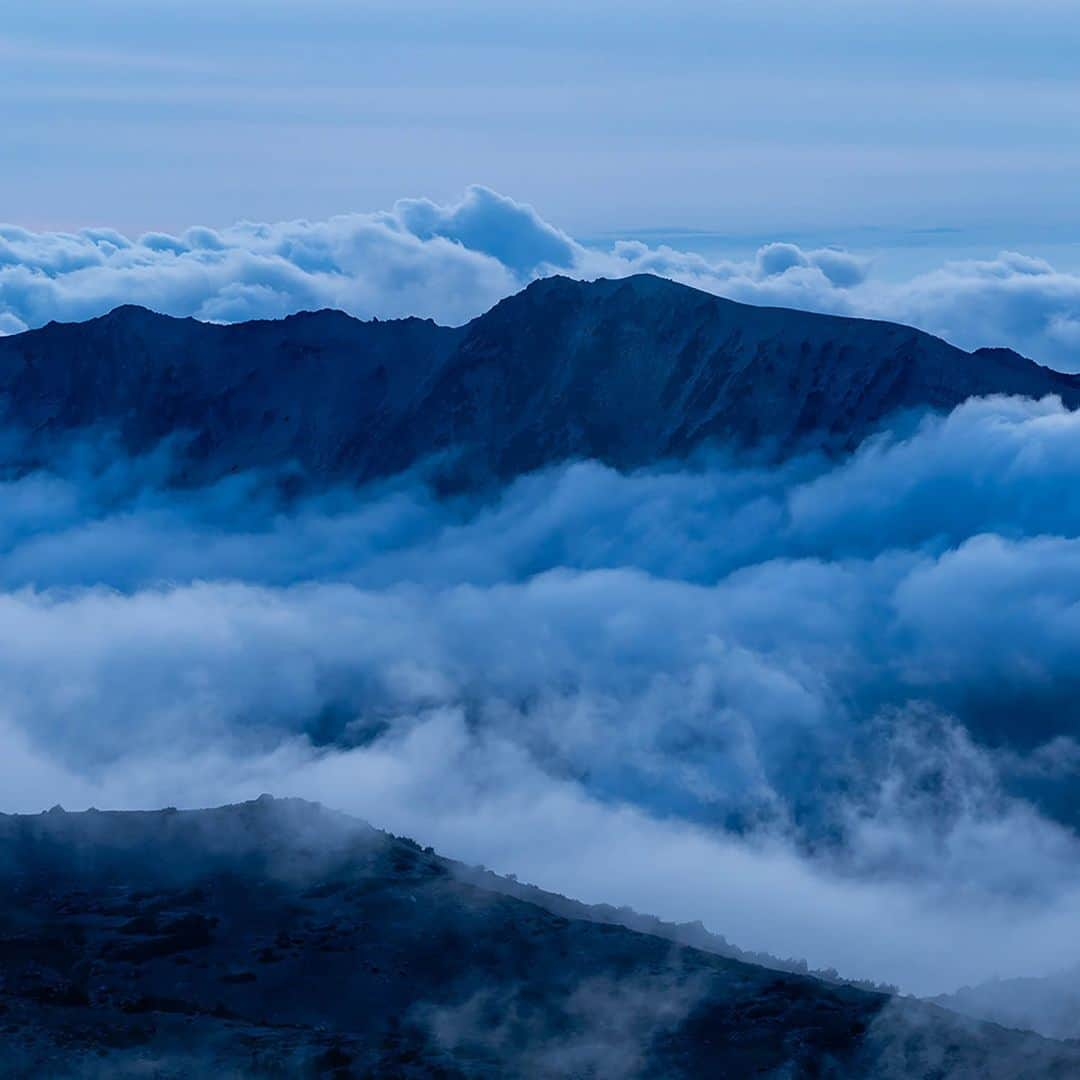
{"x": 451, "y": 262}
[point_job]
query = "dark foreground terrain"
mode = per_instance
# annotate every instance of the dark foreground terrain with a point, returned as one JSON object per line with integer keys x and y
{"x": 276, "y": 938}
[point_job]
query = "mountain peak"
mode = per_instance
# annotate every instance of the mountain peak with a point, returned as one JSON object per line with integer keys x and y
{"x": 137, "y": 314}
{"x": 603, "y": 288}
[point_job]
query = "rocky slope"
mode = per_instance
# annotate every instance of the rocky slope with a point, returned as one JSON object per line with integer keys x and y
{"x": 628, "y": 372}
{"x": 277, "y": 938}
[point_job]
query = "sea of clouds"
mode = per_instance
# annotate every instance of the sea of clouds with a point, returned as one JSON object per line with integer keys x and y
{"x": 452, "y": 262}
{"x": 827, "y": 707}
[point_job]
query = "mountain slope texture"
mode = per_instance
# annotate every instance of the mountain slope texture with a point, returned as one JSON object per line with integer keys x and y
{"x": 628, "y": 372}
{"x": 277, "y": 938}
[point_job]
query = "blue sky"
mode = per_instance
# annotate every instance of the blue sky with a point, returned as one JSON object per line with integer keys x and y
{"x": 887, "y": 125}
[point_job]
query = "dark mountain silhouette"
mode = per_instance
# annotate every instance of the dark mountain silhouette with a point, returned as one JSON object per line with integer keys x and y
{"x": 276, "y": 938}
{"x": 627, "y": 371}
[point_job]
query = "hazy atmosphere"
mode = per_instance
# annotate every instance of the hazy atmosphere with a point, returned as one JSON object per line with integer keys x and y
{"x": 741, "y": 676}
{"x": 801, "y": 665}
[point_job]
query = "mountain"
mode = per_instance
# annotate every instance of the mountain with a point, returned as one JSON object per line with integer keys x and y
{"x": 629, "y": 372}
{"x": 1049, "y": 1004}
{"x": 278, "y": 938}
{"x": 693, "y": 934}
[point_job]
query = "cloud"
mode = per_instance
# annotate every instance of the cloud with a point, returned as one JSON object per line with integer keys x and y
{"x": 453, "y": 261}
{"x": 797, "y": 702}
{"x": 605, "y": 1030}
{"x": 367, "y": 264}
{"x": 485, "y": 221}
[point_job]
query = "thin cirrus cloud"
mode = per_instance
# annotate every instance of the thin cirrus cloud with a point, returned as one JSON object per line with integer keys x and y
{"x": 451, "y": 262}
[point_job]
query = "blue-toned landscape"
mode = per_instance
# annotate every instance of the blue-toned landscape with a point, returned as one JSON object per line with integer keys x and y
{"x": 463, "y": 638}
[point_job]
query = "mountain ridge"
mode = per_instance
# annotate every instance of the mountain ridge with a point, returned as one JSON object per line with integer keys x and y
{"x": 130, "y": 937}
{"x": 630, "y": 372}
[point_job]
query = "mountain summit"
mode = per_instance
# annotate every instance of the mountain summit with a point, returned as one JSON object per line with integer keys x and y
{"x": 629, "y": 372}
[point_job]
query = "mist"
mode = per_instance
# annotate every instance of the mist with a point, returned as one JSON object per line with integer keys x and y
{"x": 826, "y": 707}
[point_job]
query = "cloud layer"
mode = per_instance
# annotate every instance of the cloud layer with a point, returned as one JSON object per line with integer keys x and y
{"x": 451, "y": 262}
{"x": 799, "y": 703}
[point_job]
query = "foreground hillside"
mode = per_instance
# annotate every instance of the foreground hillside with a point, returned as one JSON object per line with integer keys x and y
{"x": 628, "y": 372}
{"x": 278, "y": 938}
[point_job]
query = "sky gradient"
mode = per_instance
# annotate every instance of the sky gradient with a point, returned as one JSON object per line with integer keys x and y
{"x": 876, "y": 126}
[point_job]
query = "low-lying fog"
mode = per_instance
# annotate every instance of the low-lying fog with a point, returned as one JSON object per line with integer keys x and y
{"x": 829, "y": 709}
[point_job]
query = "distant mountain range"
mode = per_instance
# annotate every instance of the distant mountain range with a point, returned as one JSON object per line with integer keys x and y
{"x": 1049, "y": 1004}
{"x": 629, "y": 372}
{"x": 276, "y": 938}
